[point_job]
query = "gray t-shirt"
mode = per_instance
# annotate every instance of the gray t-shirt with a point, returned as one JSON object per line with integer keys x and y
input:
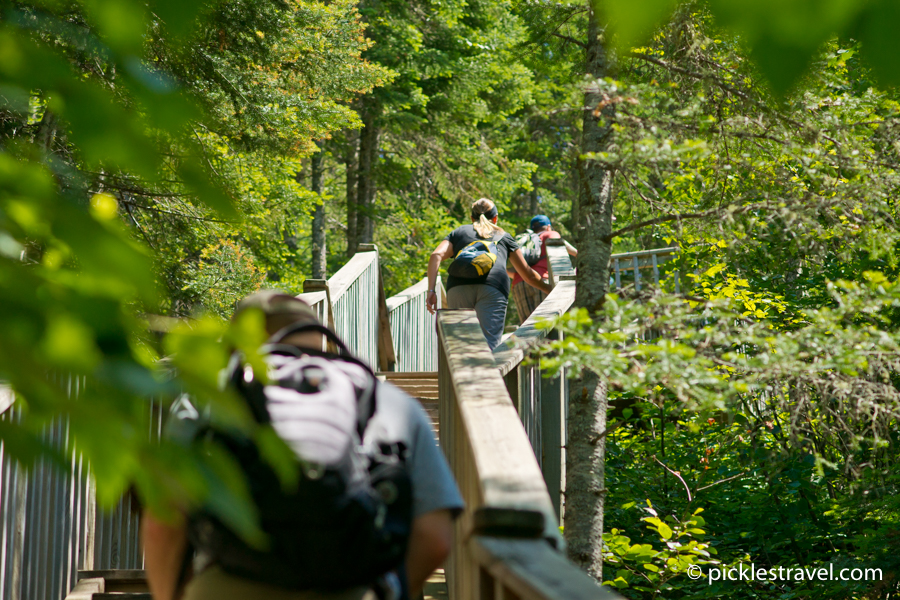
{"x": 400, "y": 418}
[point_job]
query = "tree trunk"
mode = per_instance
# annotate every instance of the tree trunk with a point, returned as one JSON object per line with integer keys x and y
{"x": 365, "y": 190}
{"x": 586, "y": 444}
{"x": 351, "y": 162}
{"x": 318, "y": 223}
{"x": 46, "y": 131}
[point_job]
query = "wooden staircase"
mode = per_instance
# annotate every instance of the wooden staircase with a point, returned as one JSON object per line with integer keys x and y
{"x": 132, "y": 585}
{"x": 421, "y": 385}
{"x": 120, "y": 584}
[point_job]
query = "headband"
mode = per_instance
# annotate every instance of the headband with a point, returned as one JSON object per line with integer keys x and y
{"x": 489, "y": 214}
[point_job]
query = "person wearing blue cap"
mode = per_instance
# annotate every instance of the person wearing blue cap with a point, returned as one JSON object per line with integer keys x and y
{"x": 534, "y": 246}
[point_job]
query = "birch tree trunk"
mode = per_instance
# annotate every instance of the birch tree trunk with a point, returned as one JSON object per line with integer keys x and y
{"x": 585, "y": 446}
{"x": 351, "y": 163}
{"x": 319, "y": 265}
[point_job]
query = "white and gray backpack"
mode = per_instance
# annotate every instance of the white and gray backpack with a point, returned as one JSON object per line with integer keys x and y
{"x": 347, "y": 523}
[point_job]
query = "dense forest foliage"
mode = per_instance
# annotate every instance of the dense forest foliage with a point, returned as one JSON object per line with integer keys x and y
{"x": 161, "y": 160}
{"x": 753, "y": 416}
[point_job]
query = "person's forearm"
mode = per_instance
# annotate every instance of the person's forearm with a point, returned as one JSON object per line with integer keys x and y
{"x": 164, "y": 548}
{"x": 570, "y": 249}
{"x": 533, "y": 278}
{"x": 429, "y": 547}
{"x": 434, "y": 265}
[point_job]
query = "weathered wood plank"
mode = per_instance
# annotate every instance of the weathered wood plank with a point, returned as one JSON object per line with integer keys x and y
{"x": 558, "y": 261}
{"x": 86, "y": 588}
{"x": 350, "y": 272}
{"x": 511, "y": 352}
{"x": 387, "y": 359}
{"x": 533, "y": 570}
{"x": 506, "y": 469}
{"x": 408, "y": 294}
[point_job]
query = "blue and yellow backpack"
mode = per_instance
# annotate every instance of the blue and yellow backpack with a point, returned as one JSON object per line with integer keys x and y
{"x": 476, "y": 259}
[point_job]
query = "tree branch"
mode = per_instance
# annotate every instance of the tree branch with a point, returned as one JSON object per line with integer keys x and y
{"x": 705, "y": 487}
{"x": 658, "y": 220}
{"x": 569, "y": 39}
{"x": 734, "y": 209}
{"x": 677, "y": 475}
{"x": 727, "y": 88}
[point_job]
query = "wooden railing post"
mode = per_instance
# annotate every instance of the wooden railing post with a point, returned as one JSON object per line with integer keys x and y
{"x": 552, "y": 404}
{"x": 387, "y": 358}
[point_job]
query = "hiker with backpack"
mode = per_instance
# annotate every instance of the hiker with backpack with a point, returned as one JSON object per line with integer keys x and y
{"x": 534, "y": 246}
{"x": 371, "y": 515}
{"x": 477, "y": 277}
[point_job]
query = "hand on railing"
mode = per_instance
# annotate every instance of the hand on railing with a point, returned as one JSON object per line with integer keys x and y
{"x": 431, "y": 301}
{"x": 545, "y": 284}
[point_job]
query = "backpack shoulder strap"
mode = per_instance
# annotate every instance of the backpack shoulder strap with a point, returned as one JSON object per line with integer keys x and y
{"x": 279, "y": 336}
{"x": 366, "y": 402}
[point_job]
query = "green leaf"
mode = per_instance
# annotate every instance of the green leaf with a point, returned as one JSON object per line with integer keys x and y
{"x": 634, "y": 22}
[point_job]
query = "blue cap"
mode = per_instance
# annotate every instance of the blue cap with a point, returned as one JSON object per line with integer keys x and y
{"x": 539, "y": 221}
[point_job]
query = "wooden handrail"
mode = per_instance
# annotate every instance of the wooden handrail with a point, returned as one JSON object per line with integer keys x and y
{"x": 397, "y": 300}
{"x": 559, "y": 264}
{"x": 420, "y": 287}
{"x": 641, "y": 260}
{"x": 413, "y": 327}
{"x": 517, "y": 346}
{"x": 508, "y": 476}
{"x": 325, "y": 295}
{"x": 341, "y": 281}
{"x": 532, "y": 570}
{"x": 507, "y": 542}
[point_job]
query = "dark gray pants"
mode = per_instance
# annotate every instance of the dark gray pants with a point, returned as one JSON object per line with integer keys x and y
{"x": 489, "y": 304}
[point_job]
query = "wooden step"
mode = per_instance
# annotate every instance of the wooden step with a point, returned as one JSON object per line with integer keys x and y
{"x": 436, "y": 586}
{"x": 419, "y": 384}
{"x": 107, "y": 585}
{"x": 408, "y": 374}
{"x": 117, "y": 584}
{"x": 118, "y": 581}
